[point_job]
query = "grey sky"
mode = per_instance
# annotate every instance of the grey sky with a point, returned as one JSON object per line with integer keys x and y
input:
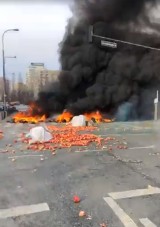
{"x": 42, "y": 27}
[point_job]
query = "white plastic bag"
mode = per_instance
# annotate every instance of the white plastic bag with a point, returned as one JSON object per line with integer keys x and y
{"x": 78, "y": 121}
{"x": 39, "y": 134}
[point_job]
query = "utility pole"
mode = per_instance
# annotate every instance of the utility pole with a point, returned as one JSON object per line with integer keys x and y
{"x": 156, "y": 107}
{"x": 4, "y": 72}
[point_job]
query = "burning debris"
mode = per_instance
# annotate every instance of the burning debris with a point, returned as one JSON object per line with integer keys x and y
{"x": 29, "y": 116}
{"x": 66, "y": 117}
{"x": 23, "y": 117}
{"x": 101, "y": 78}
{"x": 97, "y": 117}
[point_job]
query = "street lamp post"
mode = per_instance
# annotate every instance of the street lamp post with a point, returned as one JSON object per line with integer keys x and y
{"x": 156, "y": 107}
{"x": 4, "y": 73}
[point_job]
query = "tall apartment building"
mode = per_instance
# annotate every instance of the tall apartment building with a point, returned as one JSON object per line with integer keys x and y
{"x": 37, "y": 77}
{"x": 33, "y": 77}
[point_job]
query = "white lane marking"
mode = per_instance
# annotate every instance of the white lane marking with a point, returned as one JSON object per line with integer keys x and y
{"x": 86, "y": 151}
{"x": 147, "y": 223}
{"x": 135, "y": 193}
{"x": 135, "y": 148}
{"x": 125, "y": 134}
{"x": 131, "y": 148}
{"x": 23, "y": 210}
{"x": 24, "y": 156}
{"x": 124, "y": 218}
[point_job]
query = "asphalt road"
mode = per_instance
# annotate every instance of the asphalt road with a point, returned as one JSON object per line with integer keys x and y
{"x": 41, "y": 179}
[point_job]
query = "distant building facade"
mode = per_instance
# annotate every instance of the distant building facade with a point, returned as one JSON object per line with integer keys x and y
{"x": 37, "y": 77}
{"x": 20, "y": 86}
{"x": 2, "y": 88}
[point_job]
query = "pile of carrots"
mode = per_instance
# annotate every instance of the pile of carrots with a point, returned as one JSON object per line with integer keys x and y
{"x": 66, "y": 137}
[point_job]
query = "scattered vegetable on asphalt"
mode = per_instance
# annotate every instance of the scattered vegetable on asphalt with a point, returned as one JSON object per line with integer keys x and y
{"x": 82, "y": 213}
{"x": 103, "y": 225}
{"x": 76, "y": 199}
{"x": 1, "y": 134}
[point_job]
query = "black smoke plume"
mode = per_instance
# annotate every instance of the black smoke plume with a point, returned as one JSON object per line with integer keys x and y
{"x": 94, "y": 77}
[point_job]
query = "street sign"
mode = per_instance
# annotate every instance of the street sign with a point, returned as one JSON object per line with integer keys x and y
{"x": 109, "y": 44}
{"x": 155, "y": 101}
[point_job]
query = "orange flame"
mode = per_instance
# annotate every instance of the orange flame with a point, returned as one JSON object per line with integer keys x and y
{"x": 64, "y": 117}
{"x": 28, "y": 115}
{"x": 96, "y": 116}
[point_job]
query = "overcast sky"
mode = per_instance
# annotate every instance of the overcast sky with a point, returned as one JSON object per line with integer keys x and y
{"x": 41, "y": 25}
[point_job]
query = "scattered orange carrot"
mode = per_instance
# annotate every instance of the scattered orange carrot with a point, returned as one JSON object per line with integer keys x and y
{"x": 1, "y": 134}
{"x": 65, "y": 137}
{"x": 68, "y": 136}
{"x": 76, "y": 199}
{"x": 82, "y": 213}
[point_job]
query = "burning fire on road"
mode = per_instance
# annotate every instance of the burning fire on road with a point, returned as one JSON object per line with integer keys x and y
{"x": 29, "y": 116}
{"x": 65, "y": 117}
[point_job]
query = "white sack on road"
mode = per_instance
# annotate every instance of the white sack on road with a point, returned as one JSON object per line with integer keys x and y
{"x": 39, "y": 134}
{"x": 78, "y": 121}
